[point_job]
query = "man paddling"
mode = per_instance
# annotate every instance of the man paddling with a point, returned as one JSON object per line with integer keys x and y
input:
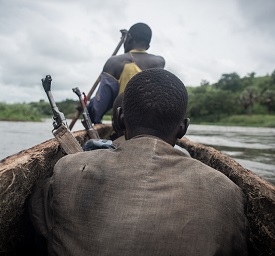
{"x": 145, "y": 197}
{"x": 119, "y": 69}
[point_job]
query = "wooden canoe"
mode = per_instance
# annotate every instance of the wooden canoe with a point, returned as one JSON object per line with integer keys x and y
{"x": 20, "y": 172}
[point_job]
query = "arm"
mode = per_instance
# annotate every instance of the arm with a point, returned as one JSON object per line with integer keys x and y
{"x": 39, "y": 208}
{"x": 105, "y": 96}
{"x": 161, "y": 62}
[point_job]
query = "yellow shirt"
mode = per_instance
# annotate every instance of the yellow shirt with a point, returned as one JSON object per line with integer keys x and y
{"x": 129, "y": 70}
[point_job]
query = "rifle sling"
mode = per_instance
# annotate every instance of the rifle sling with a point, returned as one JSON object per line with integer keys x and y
{"x": 67, "y": 141}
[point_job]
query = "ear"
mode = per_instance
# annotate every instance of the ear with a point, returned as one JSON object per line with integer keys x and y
{"x": 120, "y": 118}
{"x": 183, "y": 128}
{"x": 129, "y": 39}
{"x": 128, "y": 43}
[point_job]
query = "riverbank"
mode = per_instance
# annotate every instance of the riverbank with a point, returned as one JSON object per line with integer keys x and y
{"x": 267, "y": 121}
{"x": 19, "y": 112}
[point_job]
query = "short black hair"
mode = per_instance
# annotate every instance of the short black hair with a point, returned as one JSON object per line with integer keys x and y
{"x": 141, "y": 32}
{"x": 155, "y": 99}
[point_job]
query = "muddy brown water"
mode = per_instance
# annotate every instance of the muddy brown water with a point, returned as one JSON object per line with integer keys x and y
{"x": 253, "y": 148}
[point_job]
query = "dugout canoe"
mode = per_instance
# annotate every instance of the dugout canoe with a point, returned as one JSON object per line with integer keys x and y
{"x": 20, "y": 172}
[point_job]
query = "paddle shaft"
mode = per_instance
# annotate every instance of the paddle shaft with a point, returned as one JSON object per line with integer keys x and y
{"x": 78, "y": 112}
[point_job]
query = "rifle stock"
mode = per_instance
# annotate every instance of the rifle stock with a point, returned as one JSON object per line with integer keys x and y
{"x": 78, "y": 112}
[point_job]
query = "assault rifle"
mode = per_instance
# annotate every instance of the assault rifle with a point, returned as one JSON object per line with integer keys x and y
{"x": 87, "y": 123}
{"x": 61, "y": 132}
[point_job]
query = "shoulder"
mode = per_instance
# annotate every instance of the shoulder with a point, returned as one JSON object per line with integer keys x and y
{"x": 74, "y": 162}
{"x": 118, "y": 141}
{"x": 208, "y": 176}
{"x": 157, "y": 60}
{"x": 115, "y": 63}
{"x": 69, "y": 160}
{"x": 72, "y": 167}
{"x": 149, "y": 60}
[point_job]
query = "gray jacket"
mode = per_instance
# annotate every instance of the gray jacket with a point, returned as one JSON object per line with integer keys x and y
{"x": 142, "y": 198}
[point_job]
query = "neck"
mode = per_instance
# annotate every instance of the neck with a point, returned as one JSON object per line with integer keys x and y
{"x": 138, "y": 51}
{"x": 149, "y": 132}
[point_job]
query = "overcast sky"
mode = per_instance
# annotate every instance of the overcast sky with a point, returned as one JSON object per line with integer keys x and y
{"x": 71, "y": 41}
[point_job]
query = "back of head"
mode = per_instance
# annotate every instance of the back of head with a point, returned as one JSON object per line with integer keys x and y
{"x": 140, "y": 32}
{"x": 156, "y": 100}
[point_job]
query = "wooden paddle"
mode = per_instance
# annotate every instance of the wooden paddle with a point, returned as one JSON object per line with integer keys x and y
{"x": 80, "y": 109}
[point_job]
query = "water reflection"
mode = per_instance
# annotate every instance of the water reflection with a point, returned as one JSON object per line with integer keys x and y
{"x": 253, "y": 148}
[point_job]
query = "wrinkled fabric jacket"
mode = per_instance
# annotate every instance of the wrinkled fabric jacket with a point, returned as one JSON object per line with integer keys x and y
{"x": 143, "y": 198}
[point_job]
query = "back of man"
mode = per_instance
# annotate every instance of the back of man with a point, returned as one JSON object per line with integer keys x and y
{"x": 118, "y": 70}
{"x": 123, "y": 67}
{"x": 145, "y": 197}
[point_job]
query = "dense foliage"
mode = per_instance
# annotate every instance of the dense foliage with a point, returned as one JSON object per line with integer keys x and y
{"x": 67, "y": 107}
{"x": 19, "y": 112}
{"x": 232, "y": 95}
{"x": 35, "y": 111}
{"x": 249, "y": 100}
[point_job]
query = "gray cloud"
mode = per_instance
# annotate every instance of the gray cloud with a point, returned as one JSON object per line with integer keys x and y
{"x": 39, "y": 38}
{"x": 259, "y": 16}
{"x": 71, "y": 40}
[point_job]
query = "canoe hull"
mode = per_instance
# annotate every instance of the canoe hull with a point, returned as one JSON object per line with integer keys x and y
{"x": 19, "y": 174}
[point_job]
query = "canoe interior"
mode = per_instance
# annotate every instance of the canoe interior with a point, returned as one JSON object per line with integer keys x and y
{"x": 19, "y": 174}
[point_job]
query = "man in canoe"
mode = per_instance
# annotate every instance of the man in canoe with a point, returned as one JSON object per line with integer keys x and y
{"x": 119, "y": 69}
{"x": 144, "y": 197}
{"x": 118, "y": 135}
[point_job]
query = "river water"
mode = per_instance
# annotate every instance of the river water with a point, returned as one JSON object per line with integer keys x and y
{"x": 253, "y": 148}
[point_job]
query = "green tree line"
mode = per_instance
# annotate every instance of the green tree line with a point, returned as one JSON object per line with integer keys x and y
{"x": 232, "y": 100}
{"x": 35, "y": 111}
{"x": 232, "y": 96}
